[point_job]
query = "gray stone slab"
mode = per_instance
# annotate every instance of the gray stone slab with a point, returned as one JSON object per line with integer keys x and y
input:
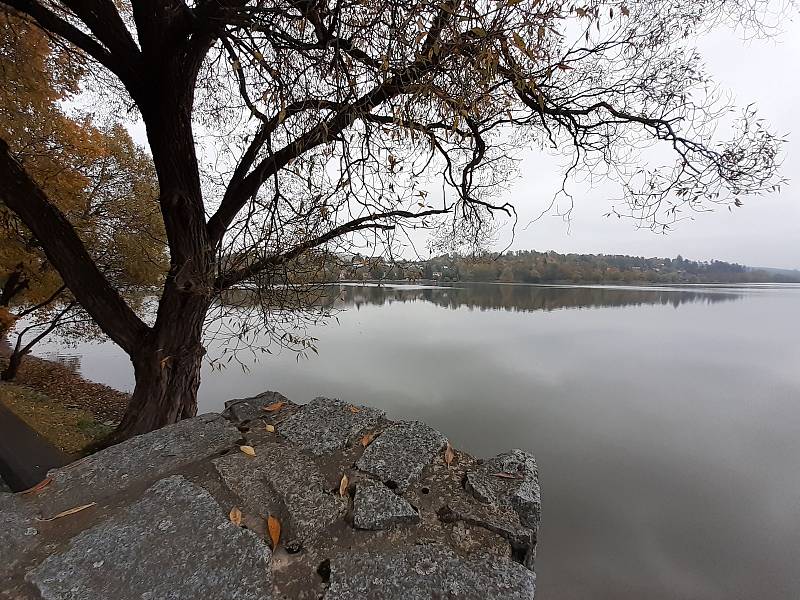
{"x": 377, "y": 507}
{"x": 325, "y": 425}
{"x": 247, "y": 409}
{"x": 4, "y": 486}
{"x": 174, "y": 543}
{"x": 282, "y": 479}
{"x": 427, "y": 572}
{"x": 139, "y": 460}
{"x": 399, "y": 454}
{"x": 500, "y": 520}
{"x": 509, "y": 479}
{"x": 18, "y": 532}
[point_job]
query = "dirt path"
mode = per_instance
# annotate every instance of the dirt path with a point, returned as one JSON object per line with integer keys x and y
{"x": 25, "y": 456}
{"x": 49, "y": 401}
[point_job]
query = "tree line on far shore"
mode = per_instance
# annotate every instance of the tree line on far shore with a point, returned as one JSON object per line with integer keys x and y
{"x": 529, "y": 266}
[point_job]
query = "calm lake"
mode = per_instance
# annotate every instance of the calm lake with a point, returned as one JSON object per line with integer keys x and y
{"x": 665, "y": 421}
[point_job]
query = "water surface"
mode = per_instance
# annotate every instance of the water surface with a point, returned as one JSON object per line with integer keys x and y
{"x": 665, "y": 420}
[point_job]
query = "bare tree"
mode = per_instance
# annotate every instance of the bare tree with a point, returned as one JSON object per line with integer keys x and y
{"x": 280, "y": 128}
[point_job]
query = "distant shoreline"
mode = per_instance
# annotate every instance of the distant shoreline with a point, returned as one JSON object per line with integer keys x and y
{"x": 606, "y": 284}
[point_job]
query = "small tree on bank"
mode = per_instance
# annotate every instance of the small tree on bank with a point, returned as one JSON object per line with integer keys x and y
{"x": 98, "y": 178}
{"x": 330, "y": 122}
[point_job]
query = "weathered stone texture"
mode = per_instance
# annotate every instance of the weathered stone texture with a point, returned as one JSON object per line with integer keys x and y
{"x": 415, "y": 528}
{"x": 510, "y": 479}
{"x": 141, "y": 459}
{"x": 399, "y": 454}
{"x": 377, "y": 507}
{"x": 18, "y": 532}
{"x": 247, "y": 409}
{"x": 174, "y": 543}
{"x": 325, "y": 425}
{"x": 281, "y": 479}
{"x": 426, "y": 572}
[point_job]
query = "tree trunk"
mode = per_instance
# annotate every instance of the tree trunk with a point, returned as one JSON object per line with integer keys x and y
{"x": 167, "y": 366}
{"x": 14, "y": 361}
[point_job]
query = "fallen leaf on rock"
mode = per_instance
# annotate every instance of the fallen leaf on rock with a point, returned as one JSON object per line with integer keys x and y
{"x": 367, "y": 438}
{"x": 274, "y": 528}
{"x": 508, "y": 475}
{"x": 343, "y": 485}
{"x": 353, "y": 409}
{"x": 236, "y": 516}
{"x": 69, "y": 511}
{"x": 274, "y": 407}
{"x": 75, "y": 463}
{"x": 249, "y": 450}
{"x": 270, "y": 428}
{"x": 38, "y": 487}
{"x": 449, "y": 455}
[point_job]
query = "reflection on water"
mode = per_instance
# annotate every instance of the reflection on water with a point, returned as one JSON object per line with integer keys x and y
{"x": 665, "y": 421}
{"x": 525, "y": 298}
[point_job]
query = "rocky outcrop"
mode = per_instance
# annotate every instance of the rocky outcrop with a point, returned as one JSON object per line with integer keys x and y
{"x": 367, "y": 508}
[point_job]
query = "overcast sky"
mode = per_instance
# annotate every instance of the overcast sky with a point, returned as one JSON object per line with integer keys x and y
{"x": 764, "y": 232}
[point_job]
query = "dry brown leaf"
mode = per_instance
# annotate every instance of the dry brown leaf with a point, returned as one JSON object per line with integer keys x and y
{"x": 75, "y": 463}
{"x": 38, "y": 487}
{"x": 69, "y": 511}
{"x": 367, "y": 438}
{"x": 343, "y": 485}
{"x": 270, "y": 428}
{"x": 236, "y": 516}
{"x": 274, "y": 407}
{"x": 274, "y": 528}
{"x": 249, "y": 450}
{"x": 353, "y": 409}
{"x": 449, "y": 455}
{"x": 508, "y": 475}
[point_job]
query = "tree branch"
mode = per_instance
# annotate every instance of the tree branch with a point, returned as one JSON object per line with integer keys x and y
{"x": 67, "y": 253}
{"x": 54, "y": 322}
{"x": 227, "y": 280}
{"x": 123, "y": 65}
{"x": 249, "y": 185}
{"x": 41, "y": 304}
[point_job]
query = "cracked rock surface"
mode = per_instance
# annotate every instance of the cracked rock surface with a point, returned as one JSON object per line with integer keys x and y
{"x": 368, "y": 508}
{"x": 398, "y": 456}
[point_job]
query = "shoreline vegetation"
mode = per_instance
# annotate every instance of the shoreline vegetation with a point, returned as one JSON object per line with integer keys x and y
{"x": 529, "y": 266}
{"x": 68, "y": 410}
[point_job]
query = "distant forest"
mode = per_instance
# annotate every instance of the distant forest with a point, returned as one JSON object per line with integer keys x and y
{"x": 527, "y": 266}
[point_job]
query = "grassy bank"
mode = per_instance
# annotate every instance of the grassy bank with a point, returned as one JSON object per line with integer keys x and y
{"x": 61, "y": 405}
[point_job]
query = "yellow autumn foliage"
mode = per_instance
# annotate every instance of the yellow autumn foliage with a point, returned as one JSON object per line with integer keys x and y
{"x": 97, "y": 176}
